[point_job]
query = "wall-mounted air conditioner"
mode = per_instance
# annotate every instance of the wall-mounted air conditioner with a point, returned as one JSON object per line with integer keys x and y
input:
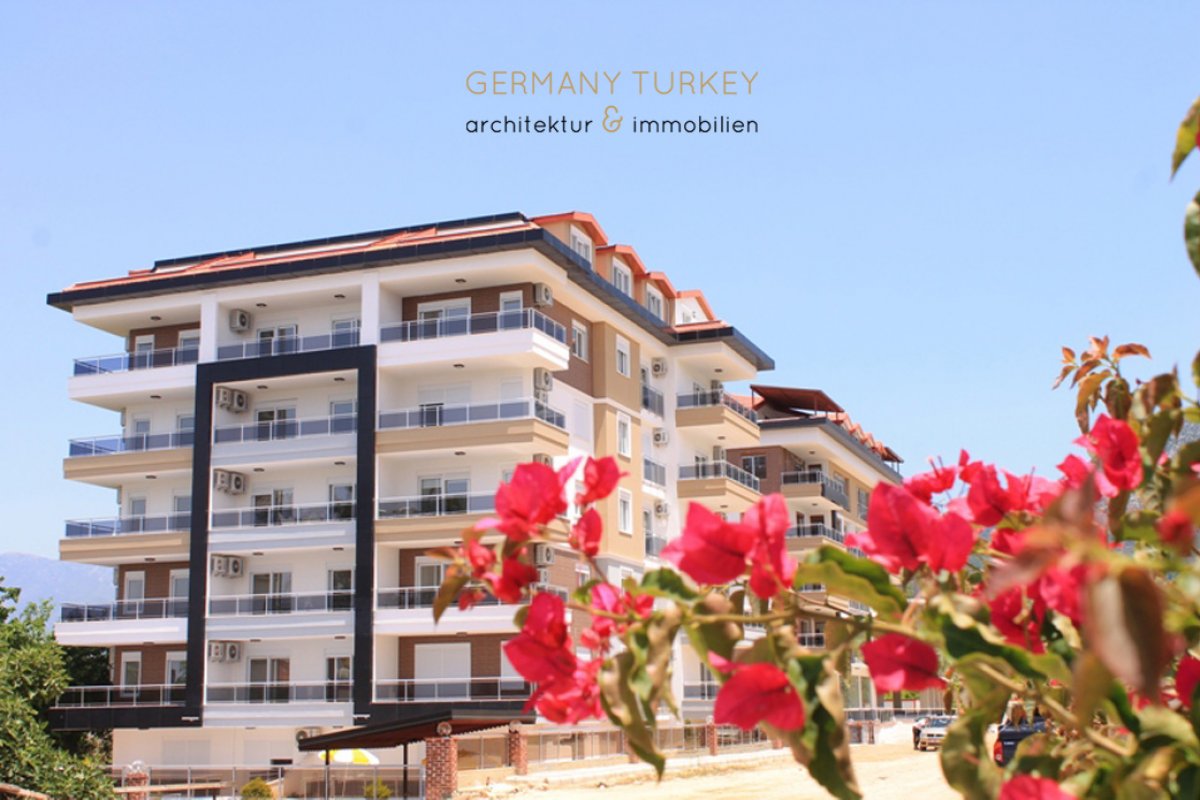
{"x": 658, "y": 367}
{"x": 237, "y": 566}
{"x": 661, "y": 437}
{"x": 218, "y": 566}
{"x": 233, "y": 651}
{"x": 543, "y": 295}
{"x": 662, "y": 508}
{"x": 239, "y": 320}
{"x": 216, "y": 651}
{"x": 543, "y": 380}
{"x": 229, "y": 482}
{"x": 232, "y": 399}
{"x": 544, "y": 459}
{"x": 543, "y": 555}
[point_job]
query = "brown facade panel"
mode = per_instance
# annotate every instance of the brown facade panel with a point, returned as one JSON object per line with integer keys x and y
{"x": 164, "y": 336}
{"x": 158, "y": 577}
{"x": 485, "y": 652}
{"x": 779, "y": 461}
{"x": 154, "y": 661}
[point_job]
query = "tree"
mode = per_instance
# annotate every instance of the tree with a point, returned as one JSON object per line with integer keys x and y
{"x": 32, "y": 676}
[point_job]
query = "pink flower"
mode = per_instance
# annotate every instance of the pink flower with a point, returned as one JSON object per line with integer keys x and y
{"x": 1020, "y": 625}
{"x": 898, "y": 662}
{"x": 569, "y": 701}
{"x": 542, "y": 652}
{"x": 1062, "y": 590}
{"x": 925, "y": 485}
{"x": 509, "y": 585}
{"x": 479, "y": 557}
{"x": 1027, "y": 787}
{"x": 771, "y": 568}
{"x": 533, "y": 498}
{"x": 710, "y": 550}
{"x": 600, "y": 477}
{"x": 905, "y": 533}
{"x": 586, "y": 533}
{"x": 990, "y": 501}
{"x": 1075, "y": 471}
{"x": 1115, "y": 444}
{"x": 1186, "y": 678}
{"x": 757, "y": 693}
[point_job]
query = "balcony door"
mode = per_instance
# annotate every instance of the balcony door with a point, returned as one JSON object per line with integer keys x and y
{"x": 274, "y": 508}
{"x": 446, "y": 318}
{"x": 341, "y": 501}
{"x": 275, "y": 423}
{"x": 345, "y": 332}
{"x": 341, "y": 589}
{"x": 269, "y": 678}
{"x": 272, "y": 592}
{"x": 131, "y": 674}
{"x": 337, "y": 679}
{"x": 277, "y": 340}
{"x": 176, "y": 676}
{"x": 429, "y": 572}
{"x": 444, "y": 495}
{"x": 442, "y": 671}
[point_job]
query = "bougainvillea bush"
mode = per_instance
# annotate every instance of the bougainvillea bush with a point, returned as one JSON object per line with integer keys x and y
{"x": 1077, "y": 594}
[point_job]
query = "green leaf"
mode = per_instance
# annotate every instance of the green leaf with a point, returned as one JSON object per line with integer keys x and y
{"x": 962, "y": 642}
{"x": 669, "y": 585}
{"x": 716, "y": 637}
{"x": 1162, "y": 727}
{"x": 1191, "y": 231}
{"x": 854, "y": 578}
{"x": 831, "y": 765}
{"x": 967, "y": 765}
{"x": 1093, "y": 683}
{"x": 1185, "y": 137}
{"x": 452, "y": 584}
{"x": 624, "y": 710}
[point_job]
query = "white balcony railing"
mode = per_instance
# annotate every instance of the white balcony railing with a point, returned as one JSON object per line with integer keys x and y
{"x": 279, "y": 692}
{"x": 106, "y": 696}
{"x": 283, "y": 345}
{"x": 831, "y": 488}
{"x": 268, "y": 516}
{"x": 125, "y": 362}
{"x": 137, "y": 443}
{"x": 116, "y": 526}
{"x": 153, "y": 608}
{"x": 415, "y": 690}
{"x": 489, "y": 322}
{"x": 292, "y": 603}
{"x": 437, "y": 415}
{"x": 286, "y": 429}
{"x": 718, "y": 469}
{"x": 436, "y": 505}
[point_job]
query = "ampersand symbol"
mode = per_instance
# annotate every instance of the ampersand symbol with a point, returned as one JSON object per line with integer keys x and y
{"x": 611, "y": 124}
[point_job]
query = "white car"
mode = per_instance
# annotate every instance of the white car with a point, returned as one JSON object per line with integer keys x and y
{"x": 933, "y": 733}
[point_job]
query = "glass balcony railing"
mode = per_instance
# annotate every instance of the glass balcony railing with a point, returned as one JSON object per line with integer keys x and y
{"x": 138, "y": 442}
{"x": 815, "y": 641}
{"x": 715, "y": 398}
{"x": 652, "y": 399}
{"x": 267, "y": 516}
{"x": 654, "y": 544}
{"x": 718, "y": 469}
{"x": 115, "y": 696}
{"x": 705, "y": 690}
{"x": 286, "y": 429}
{"x": 422, "y": 597}
{"x": 252, "y": 604}
{"x": 821, "y": 531}
{"x": 279, "y": 692}
{"x": 416, "y": 690}
{"x": 436, "y": 505}
{"x": 436, "y": 416}
{"x": 151, "y": 608}
{"x": 654, "y": 472}
{"x": 283, "y": 345}
{"x": 831, "y": 489}
{"x": 146, "y": 359}
{"x": 116, "y": 526}
{"x": 490, "y": 322}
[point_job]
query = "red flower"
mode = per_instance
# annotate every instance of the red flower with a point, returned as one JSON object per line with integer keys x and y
{"x": 1006, "y": 540}
{"x": 1027, "y": 787}
{"x": 1075, "y": 471}
{"x": 509, "y": 585}
{"x": 905, "y": 533}
{"x": 710, "y": 549}
{"x": 1176, "y": 531}
{"x": 988, "y": 500}
{"x": 898, "y": 662}
{"x": 1062, "y": 590}
{"x": 541, "y": 652}
{"x": 586, "y": 533}
{"x": 479, "y": 557}
{"x": 468, "y": 598}
{"x": 771, "y": 567}
{"x": 1186, "y": 678}
{"x": 569, "y": 701}
{"x": 925, "y": 485}
{"x": 1115, "y": 444}
{"x": 600, "y": 477}
{"x": 1020, "y": 625}
{"x": 758, "y": 693}
{"x": 605, "y": 597}
{"x": 533, "y": 498}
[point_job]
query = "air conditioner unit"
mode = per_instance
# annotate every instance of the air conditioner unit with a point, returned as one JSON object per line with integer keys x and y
{"x": 543, "y": 555}
{"x": 661, "y": 437}
{"x": 658, "y": 367}
{"x": 237, "y": 483}
{"x": 543, "y": 458}
{"x": 237, "y": 567}
{"x": 221, "y": 480}
{"x": 239, "y": 320}
{"x": 216, "y": 651}
{"x": 543, "y": 295}
{"x": 543, "y": 576}
{"x": 232, "y": 399}
{"x": 306, "y": 733}
{"x": 233, "y": 651}
{"x": 662, "y": 508}
{"x": 218, "y": 566}
{"x": 719, "y": 453}
{"x": 543, "y": 380}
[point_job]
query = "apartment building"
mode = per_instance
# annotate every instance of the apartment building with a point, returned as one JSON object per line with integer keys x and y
{"x": 295, "y": 425}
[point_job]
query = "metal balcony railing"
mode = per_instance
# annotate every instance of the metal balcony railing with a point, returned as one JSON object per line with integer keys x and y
{"x": 148, "y": 359}
{"x": 116, "y": 526}
{"x": 104, "y": 696}
{"x": 718, "y": 469}
{"x": 489, "y": 322}
{"x": 436, "y": 505}
{"x": 421, "y": 597}
{"x": 286, "y": 429}
{"x": 436, "y": 416}
{"x": 705, "y": 690}
{"x": 292, "y": 603}
{"x": 831, "y": 489}
{"x": 283, "y": 345}
{"x": 715, "y": 398}
{"x": 265, "y": 516}
{"x": 416, "y": 690}
{"x": 653, "y": 472}
{"x": 279, "y": 692}
{"x": 138, "y": 442}
{"x": 822, "y": 531}
{"x": 654, "y": 544}
{"x": 816, "y": 641}
{"x": 652, "y": 399}
{"x": 151, "y": 608}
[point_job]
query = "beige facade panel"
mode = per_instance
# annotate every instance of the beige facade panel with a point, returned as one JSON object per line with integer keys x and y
{"x": 108, "y": 467}
{"x": 528, "y": 435}
{"x": 719, "y": 421}
{"x": 718, "y": 494}
{"x": 126, "y": 548}
{"x": 425, "y": 532}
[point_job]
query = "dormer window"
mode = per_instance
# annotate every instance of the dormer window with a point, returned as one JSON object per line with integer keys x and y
{"x": 622, "y": 278}
{"x": 654, "y": 302}
{"x": 581, "y": 244}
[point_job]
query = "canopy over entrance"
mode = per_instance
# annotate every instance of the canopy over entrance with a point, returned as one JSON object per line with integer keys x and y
{"x": 413, "y": 729}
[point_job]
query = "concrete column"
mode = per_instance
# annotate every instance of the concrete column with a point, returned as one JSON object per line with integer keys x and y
{"x": 210, "y": 322}
{"x": 518, "y": 750}
{"x": 369, "y": 334}
{"x": 441, "y": 767}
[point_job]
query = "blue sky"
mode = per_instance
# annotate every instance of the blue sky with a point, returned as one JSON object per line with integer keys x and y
{"x": 939, "y": 196}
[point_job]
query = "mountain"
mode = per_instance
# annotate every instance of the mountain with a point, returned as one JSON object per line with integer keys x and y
{"x": 61, "y": 582}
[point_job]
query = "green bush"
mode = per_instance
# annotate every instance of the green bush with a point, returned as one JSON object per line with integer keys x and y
{"x": 257, "y": 789}
{"x": 377, "y": 791}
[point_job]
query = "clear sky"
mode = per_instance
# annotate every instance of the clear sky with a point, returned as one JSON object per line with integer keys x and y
{"x": 940, "y": 194}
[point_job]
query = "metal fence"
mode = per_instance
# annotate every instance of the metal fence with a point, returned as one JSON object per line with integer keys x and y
{"x": 289, "y": 781}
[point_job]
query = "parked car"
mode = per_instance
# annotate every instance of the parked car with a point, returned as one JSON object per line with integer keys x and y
{"x": 921, "y": 723}
{"x": 1010, "y": 735}
{"x": 933, "y": 732}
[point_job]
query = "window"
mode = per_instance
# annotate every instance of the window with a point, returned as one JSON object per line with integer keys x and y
{"x": 622, "y": 278}
{"x": 625, "y": 511}
{"x": 624, "y": 438}
{"x": 342, "y": 416}
{"x": 430, "y": 572}
{"x": 341, "y": 589}
{"x": 579, "y": 341}
{"x": 581, "y": 244}
{"x": 864, "y": 500}
{"x": 647, "y": 522}
{"x": 272, "y": 592}
{"x": 180, "y": 582}
{"x": 185, "y": 430}
{"x": 182, "y": 504}
{"x": 624, "y": 364}
{"x": 337, "y": 679}
{"x": 654, "y": 302}
{"x": 139, "y": 433}
{"x": 189, "y": 340}
{"x": 274, "y": 508}
{"x": 443, "y": 495}
{"x": 583, "y": 574}
{"x": 755, "y": 465}
{"x": 269, "y": 678}
{"x": 177, "y": 668}
{"x": 444, "y": 318}
{"x": 276, "y": 423}
{"x": 341, "y": 501}
{"x": 131, "y": 669}
{"x": 135, "y": 586}
{"x": 276, "y": 340}
{"x": 344, "y": 332}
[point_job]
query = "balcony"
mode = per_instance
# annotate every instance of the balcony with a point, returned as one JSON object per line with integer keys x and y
{"x": 417, "y": 690}
{"x": 276, "y": 616}
{"x": 285, "y": 345}
{"x": 654, "y": 472}
{"x": 436, "y": 505}
{"x": 121, "y": 696}
{"x": 654, "y": 544}
{"x": 524, "y": 426}
{"x": 124, "y": 622}
{"x": 239, "y": 531}
{"x": 258, "y": 604}
{"x": 719, "y": 469}
{"x": 286, "y": 429}
{"x": 816, "y": 535}
{"x": 716, "y": 415}
{"x": 297, "y": 692}
{"x": 138, "y": 443}
{"x": 273, "y": 516}
{"x": 313, "y": 439}
{"x": 120, "y": 540}
{"x": 153, "y": 608}
{"x": 652, "y": 399}
{"x": 405, "y": 611}
{"x": 119, "y": 526}
{"x": 718, "y": 484}
{"x": 811, "y": 483}
{"x": 102, "y": 459}
{"x": 523, "y": 338}
{"x": 701, "y": 691}
{"x": 117, "y": 381}
{"x": 126, "y": 362}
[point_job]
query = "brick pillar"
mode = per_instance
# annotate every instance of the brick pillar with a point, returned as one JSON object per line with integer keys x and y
{"x": 441, "y": 767}
{"x": 518, "y": 750}
{"x": 710, "y": 736}
{"x": 137, "y": 779}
